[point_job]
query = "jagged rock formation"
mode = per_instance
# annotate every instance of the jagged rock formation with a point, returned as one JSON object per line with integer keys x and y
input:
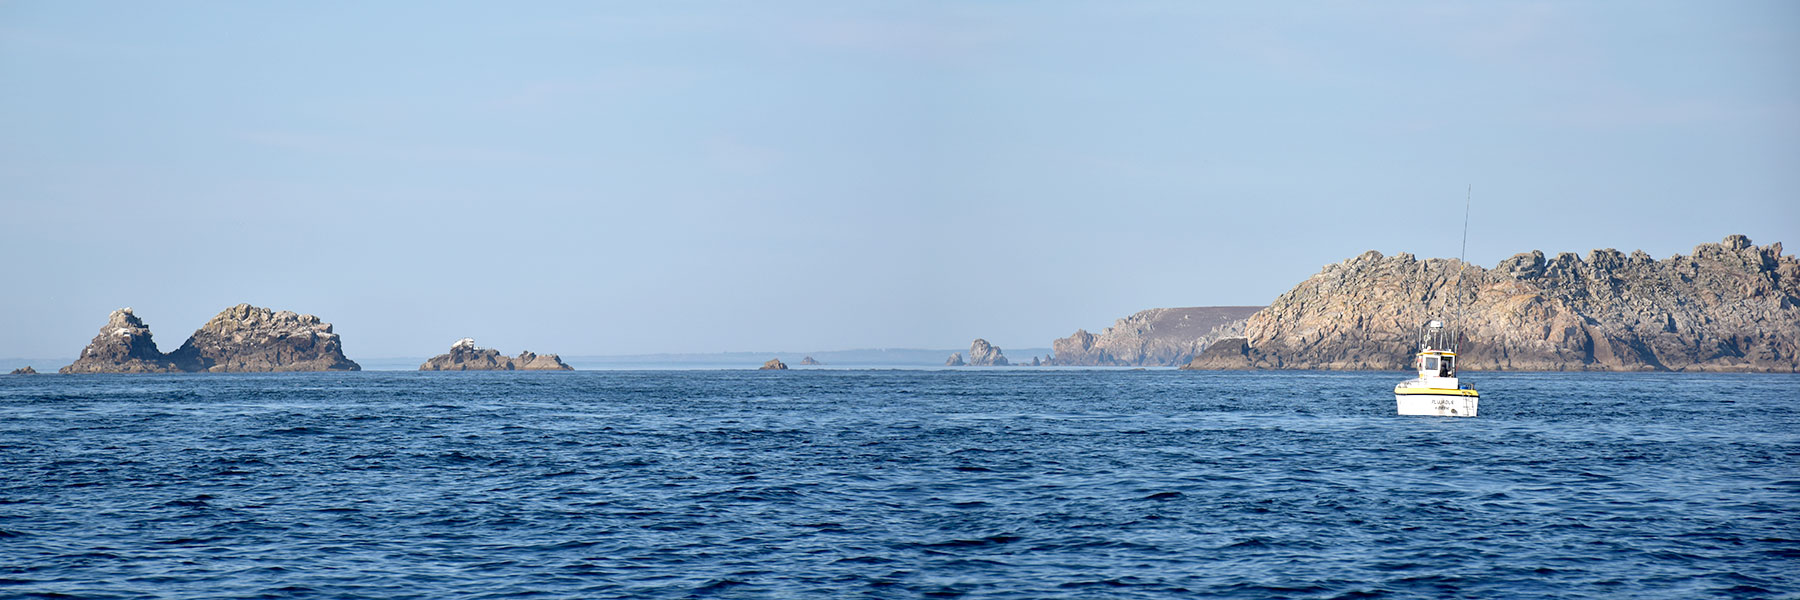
{"x": 774, "y": 364}
{"x": 1731, "y": 306}
{"x": 809, "y": 361}
{"x": 247, "y": 339}
{"x": 955, "y": 360}
{"x": 26, "y": 370}
{"x": 464, "y": 356}
{"x": 983, "y": 354}
{"x": 242, "y": 338}
{"x": 123, "y": 346}
{"x": 1163, "y": 337}
{"x": 1035, "y": 362}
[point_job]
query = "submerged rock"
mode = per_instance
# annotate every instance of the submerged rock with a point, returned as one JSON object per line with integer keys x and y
{"x": 249, "y": 339}
{"x": 26, "y": 370}
{"x": 774, "y": 364}
{"x": 1730, "y": 306}
{"x": 983, "y": 354}
{"x": 464, "y": 356}
{"x": 124, "y": 345}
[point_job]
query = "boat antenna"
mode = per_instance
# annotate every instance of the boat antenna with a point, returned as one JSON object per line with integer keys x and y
{"x": 1462, "y": 264}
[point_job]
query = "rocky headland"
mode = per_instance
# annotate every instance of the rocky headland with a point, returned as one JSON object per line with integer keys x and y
{"x": 1729, "y": 306}
{"x": 1159, "y": 337}
{"x": 240, "y": 339}
{"x": 465, "y": 356}
{"x": 983, "y": 354}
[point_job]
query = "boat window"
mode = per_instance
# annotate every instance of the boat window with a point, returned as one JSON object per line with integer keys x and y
{"x": 1431, "y": 363}
{"x": 1447, "y": 370}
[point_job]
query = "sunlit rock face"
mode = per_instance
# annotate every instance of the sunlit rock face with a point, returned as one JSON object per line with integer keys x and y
{"x": 1729, "y": 306}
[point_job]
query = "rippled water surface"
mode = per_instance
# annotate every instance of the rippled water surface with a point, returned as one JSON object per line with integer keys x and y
{"x": 895, "y": 484}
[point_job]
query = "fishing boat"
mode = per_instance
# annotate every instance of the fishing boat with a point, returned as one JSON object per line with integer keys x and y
{"x": 1436, "y": 391}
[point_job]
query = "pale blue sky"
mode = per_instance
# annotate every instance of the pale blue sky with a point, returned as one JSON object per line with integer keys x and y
{"x": 612, "y": 178}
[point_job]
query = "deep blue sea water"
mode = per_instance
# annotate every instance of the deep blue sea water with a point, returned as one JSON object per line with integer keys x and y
{"x": 895, "y": 484}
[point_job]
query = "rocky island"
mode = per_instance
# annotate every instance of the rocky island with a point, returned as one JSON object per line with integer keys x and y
{"x": 774, "y": 364}
{"x": 1729, "y": 306}
{"x": 26, "y": 370}
{"x": 983, "y": 354}
{"x": 955, "y": 360}
{"x": 240, "y": 339}
{"x": 464, "y": 356}
{"x": 1158, "y": 337}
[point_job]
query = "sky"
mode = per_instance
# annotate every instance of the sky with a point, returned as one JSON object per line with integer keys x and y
{"x": 595, "y": 178}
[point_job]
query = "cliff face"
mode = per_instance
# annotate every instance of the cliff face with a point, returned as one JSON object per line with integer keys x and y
{"x": 1731, "y": 306}
{"x": 247, "y": 339}
{"x": 1157, "y": 337}
{"x": 123, "y": 346}
{"x": 242, "y": 338}
{"x": 464, "y": 356}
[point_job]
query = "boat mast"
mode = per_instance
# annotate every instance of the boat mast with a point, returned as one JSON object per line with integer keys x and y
{"x": 1462, "y": 263}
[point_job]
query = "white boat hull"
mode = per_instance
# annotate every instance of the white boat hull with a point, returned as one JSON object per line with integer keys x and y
{"x": 1437, "y": 405}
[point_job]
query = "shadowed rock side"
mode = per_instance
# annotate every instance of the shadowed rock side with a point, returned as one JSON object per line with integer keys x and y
{"x": 1731, "y": 306}
{"x": 464, "y": 356}
{"x": 123, "y": 346}
{"x": 1159, "y": 337}
{"x": 983, "y": 354}
{"x": 774, "y": 364}
{"x": 955, "y": 360}
{"x": 250, "y": 339}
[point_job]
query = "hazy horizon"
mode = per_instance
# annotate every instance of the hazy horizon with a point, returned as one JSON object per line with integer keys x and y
{"x": 595, "y": 180}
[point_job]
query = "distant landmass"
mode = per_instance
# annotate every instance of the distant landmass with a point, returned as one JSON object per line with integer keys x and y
{"x": 866, "y": 358}
{"x": 1158, "y": 337}
{"x": 239, "y": 339}
{"x": 1729, "y": 306}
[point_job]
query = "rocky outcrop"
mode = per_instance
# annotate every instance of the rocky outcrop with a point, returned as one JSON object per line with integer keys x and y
{"x": 809, "y": 361}
{"x": 774, "y": 364}
{"x": 464, "y": 356}
{"x": 983, "y": 354}
{"x": 1164, "y": 337}
{"x": 955, "y": 360}
{"x": 242, "y": 338}
{"x": 1730, "y": 306}
{"x": 123, "y": 346}
{"x": 250, "y": 339}
{"x": 26, "y": 370}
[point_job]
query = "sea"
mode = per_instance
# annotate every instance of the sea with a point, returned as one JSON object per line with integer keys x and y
{"x": 905, "y": 483}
